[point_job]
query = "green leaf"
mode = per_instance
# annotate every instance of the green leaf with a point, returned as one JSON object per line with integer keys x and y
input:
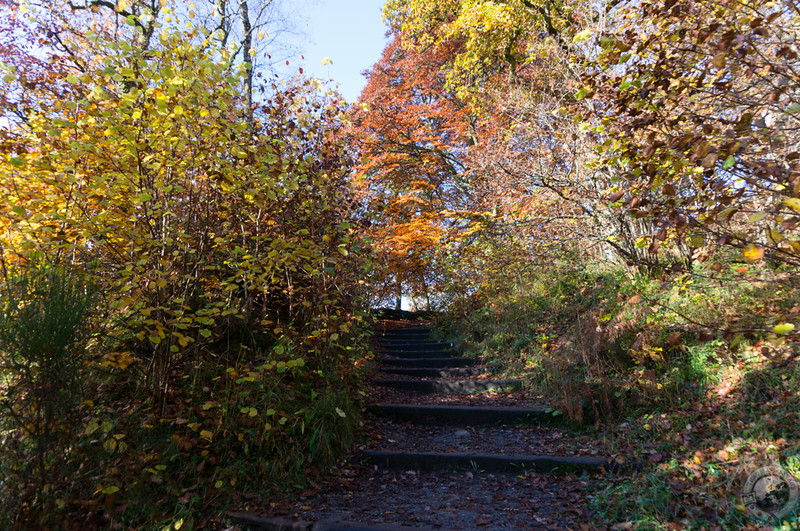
{"x": 17, "y": 162}
{"x": 784, "y": 328}
{"x": 584, "y": 35}
{"x": 582, "y": 93}
{"x": 110, "y": 490}
{"x": 729, "y": 162}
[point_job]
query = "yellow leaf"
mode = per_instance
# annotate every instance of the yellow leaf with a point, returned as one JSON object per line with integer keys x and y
{"x": 585, "y": 35}
{"x": 784, "y": 328}
{"x": 205, "y": 434}
{"x": 775, "y": 236}
{"x": 793, "y": 203}
{"x": 110, "y": 445}
{"x": 753, "y": 252}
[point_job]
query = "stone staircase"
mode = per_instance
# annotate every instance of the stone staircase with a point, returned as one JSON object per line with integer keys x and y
{"x": 436, "y": 414}
{"x": 453, "y": 375}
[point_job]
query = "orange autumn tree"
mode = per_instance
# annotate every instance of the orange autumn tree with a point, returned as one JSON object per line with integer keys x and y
{"x": 413, "y": 135}
{"x": 473, "y": 132}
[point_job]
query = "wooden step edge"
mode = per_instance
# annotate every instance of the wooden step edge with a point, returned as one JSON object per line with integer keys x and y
{"x": 450, "y": 386}
{"x": 436, "y": 415}
{"x": 433, "y": 461}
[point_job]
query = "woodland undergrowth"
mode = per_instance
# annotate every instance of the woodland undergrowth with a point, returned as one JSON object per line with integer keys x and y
{"x": 681, "y": 374}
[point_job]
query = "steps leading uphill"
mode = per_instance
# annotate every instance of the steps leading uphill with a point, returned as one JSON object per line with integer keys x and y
{"x": 449, "y": 448}
{"x": 405, "y": 343}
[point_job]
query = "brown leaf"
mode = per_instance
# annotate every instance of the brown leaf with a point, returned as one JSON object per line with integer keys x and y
{"x": 616, "y": 196}
{"x": 709, "y": 160}
{"x": 674, "y": 338}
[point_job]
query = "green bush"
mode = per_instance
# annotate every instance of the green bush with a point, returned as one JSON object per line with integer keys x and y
{"x": 43, "y": 335}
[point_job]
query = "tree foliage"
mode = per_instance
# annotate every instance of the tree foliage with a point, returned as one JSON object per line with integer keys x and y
{"x": 702, "y": 101}
{"x": 222, "y": 237}
{"x": 649, "y": 133}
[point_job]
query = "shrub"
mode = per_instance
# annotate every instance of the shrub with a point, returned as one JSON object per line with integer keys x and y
{"x": 43, "y": 337}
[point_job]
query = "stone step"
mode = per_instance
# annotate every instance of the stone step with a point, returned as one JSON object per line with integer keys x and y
{"x": 434, "y": 373}
{"x": 404, "y": 333}
{"x": 429, "y": 462}
{"x": 422, "y": 353}
{"x": 430, "y": 362}
{"x": 451, "y": 387}
{"x": 416, "y": 345}
{"x": 252, "y": 522}
{"x": 461, "y": 415}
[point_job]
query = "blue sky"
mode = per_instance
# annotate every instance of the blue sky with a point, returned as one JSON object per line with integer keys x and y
{"x": 351, "y": 33}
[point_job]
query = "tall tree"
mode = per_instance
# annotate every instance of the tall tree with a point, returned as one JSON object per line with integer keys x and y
{"x": 413, "y": 134}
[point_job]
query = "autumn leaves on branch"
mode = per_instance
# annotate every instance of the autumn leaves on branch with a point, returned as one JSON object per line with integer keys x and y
{"x": 648, "y": 132}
